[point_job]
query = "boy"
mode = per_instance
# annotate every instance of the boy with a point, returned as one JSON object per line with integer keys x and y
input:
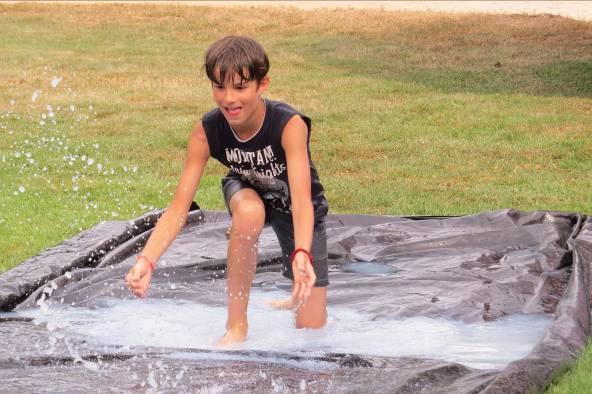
{"x": 271, "y": 180}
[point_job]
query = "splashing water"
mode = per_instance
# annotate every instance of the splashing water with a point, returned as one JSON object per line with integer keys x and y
{"x": 46, "y": 152}
{"x": 55, "y": 81}
{"x": 182, "y": 325}
{"x": 35, "y": 95}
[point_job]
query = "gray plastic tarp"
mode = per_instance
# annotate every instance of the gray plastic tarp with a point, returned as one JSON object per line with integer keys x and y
{"x": 472, "y": 269}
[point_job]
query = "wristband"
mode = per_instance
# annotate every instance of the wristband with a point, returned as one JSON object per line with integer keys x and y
{"x": 150, "y": 262}
{"x": 296, "y": 251}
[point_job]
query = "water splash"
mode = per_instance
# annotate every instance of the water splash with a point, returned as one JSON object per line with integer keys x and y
{"x": 35, "y": 95}
{"x": 55, "y": 81}
{"x": 182, "y": 324}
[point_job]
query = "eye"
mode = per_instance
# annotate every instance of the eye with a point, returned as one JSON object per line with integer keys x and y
{"x": 217, "y": 86}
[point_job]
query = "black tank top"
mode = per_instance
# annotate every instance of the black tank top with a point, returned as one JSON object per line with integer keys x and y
{"x": 261, "y": 160}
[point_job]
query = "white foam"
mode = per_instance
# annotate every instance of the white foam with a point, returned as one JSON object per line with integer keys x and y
{"x": 181, "y": 324}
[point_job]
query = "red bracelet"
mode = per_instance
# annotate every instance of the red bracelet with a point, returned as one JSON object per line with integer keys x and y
{"x": 303, "y": 251}
{"x": 150, "y": 262}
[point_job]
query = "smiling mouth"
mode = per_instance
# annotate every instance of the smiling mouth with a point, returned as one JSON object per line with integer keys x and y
{"x": 233, "y": 110}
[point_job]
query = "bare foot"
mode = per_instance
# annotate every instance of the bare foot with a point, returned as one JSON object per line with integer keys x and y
{"x": 281, "y": 304}
{"x": 232, "y": 337}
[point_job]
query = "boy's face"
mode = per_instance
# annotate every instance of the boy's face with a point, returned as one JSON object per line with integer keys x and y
{"x": 238, "y": 100}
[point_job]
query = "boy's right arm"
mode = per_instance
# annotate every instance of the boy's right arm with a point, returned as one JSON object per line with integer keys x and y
{"x": 173, "y": 220}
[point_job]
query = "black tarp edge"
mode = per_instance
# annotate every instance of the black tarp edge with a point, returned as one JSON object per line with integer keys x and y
{"x": 564, "y": 341}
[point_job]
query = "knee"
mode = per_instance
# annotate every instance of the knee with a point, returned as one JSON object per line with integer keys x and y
{"x": 248, "y": 217}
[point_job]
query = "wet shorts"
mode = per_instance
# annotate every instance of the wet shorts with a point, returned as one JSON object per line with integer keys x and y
{"x": 284, "y": 229}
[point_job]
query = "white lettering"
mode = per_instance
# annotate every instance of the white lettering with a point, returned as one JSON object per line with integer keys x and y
{"x": 268, "y": 153}
{"x": 262, "y": 162}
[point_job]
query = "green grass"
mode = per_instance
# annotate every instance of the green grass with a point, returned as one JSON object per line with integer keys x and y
{"x": 576, "y": 380}
{"x": 413, "y": 113}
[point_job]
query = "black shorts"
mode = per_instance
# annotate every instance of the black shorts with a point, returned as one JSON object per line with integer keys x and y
{"x": 284, "y": 230}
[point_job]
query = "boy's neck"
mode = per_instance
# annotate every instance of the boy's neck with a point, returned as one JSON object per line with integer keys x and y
{"x": 253, "y": 124}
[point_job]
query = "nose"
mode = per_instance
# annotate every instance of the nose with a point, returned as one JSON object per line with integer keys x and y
{"x": 229, "y": 96}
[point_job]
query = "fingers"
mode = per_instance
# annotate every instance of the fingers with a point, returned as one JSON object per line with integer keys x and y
{"x": 303, "y": 283}
{"x": 311, "y": 279}
{"x": 136, "y": 280}
{"x": 299, "y": 294}
{"x": 138, "y": 292}
{"x": 296, "y": 291}
{"x": 138, "y": 289}
{"x": 301, "y": 291}
{"x": 304, "y": 280}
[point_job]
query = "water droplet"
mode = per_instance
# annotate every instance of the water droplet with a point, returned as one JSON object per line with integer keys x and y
{"x": 55, "y": 81}
{"x": 35, "y": 95}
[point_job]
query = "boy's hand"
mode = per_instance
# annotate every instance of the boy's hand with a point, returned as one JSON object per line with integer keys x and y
{"x": 304, "y": 278}
{"x": 138, "y": 278}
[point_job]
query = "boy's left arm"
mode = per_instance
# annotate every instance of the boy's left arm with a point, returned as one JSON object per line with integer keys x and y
{"x": 295, "y": 144}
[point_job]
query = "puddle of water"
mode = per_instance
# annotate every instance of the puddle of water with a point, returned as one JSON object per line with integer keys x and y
{"x": 182, "y": 325}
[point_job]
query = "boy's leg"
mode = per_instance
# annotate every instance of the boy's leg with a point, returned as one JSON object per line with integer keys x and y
{"x": 248, "y": 218}
{"x": 313, "y": 312}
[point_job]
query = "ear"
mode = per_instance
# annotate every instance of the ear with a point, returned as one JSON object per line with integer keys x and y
{"x": 263, "y": 85}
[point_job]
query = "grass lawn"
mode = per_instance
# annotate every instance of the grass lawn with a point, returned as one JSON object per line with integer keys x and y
{"x": 413, "y": 113}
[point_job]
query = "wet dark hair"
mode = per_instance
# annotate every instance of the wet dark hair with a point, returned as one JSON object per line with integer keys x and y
{"x": 236, "y": 54}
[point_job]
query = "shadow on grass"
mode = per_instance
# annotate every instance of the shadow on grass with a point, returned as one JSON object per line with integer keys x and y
{"x": 562, "y": 68}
